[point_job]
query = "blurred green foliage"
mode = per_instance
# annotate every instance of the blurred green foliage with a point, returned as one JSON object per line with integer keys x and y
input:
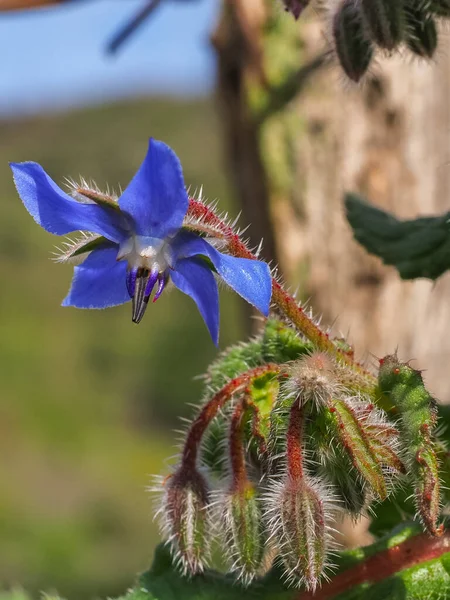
{"x": 89, "y": 400}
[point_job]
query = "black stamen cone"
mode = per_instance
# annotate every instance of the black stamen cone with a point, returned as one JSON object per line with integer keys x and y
{"x": 145, "y": 281}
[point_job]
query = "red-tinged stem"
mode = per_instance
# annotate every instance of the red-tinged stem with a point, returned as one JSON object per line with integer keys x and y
{"x": 284, "y": 303}
{"x": 256, "y": 431}
{"x": 411, "y": 552}
{"x": 236, "y": 447}
{"x": 210, "y": 410}
{"x": 294, "y": 450}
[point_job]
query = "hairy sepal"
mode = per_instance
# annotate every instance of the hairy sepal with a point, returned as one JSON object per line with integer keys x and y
{"x": 385, "y": 21}
{"x": 298, "y": 513}
{"x": 417, "y": 419}
{"x": 350, "y": 431}
{"x": 186, "y": 519}
{"x": 352, "y": 44}
{"x": 244, "y": 531}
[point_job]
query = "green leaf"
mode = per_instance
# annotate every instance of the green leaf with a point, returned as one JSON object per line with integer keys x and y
{"x": 417, "y": 248}
{"x": 427, "y": 580}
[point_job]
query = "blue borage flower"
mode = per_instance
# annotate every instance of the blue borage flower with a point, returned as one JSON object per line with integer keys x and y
{"x": 140, "y": 242}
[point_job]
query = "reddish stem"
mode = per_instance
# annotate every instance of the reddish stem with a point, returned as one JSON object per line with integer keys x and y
{"x": 210, "y": 410}
{"x": 294, "y": 452}
{"x": 411, "y": 552}
{"x": 285, "y": 304}
{"x": 236, "y": 446}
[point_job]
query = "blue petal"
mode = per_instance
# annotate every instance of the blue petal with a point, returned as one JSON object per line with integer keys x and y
{"x": 251, "y": 279}
{"x": 195, "y": 279}
{"x": 156, "y": 198}
{"x": 99, "y": 282}
{"x": 57, "y": 212}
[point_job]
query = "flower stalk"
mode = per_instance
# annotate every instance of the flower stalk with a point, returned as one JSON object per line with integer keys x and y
{"x": 204, "y": 218}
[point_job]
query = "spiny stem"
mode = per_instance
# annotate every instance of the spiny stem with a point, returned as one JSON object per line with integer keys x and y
{"x": 236, "y": 447}
{"x": 210, "y": 410}
{"x": 285, "y": 304}
{"x": 294, "y": 452}
{"x": 256, "y": 432}
{"x": 420, "y": 548}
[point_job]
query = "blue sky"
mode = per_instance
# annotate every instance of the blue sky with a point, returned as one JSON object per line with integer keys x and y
{"x": 55, "y": 58}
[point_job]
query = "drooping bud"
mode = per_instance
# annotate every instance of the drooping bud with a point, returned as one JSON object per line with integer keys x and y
{"x": 440, "y": 8}
{"x": 295, "y": 510}
{"x": 312, "y": 378}
{"x": 385, "y": 20}
{"x": 244, "y": 531}
{"x": 421, "y": 33}
{"x": 427, "y": 492}
{"x": 352, "y": 44}
{"x": 417, "y": 419}
{"x": 297, "y": 513}
{"x": 350, "y": 430}
{"x": 384, "y": 441}
{"x": 186, "y": 519}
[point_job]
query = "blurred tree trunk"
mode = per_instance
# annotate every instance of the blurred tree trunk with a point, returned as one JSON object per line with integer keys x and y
{"x": 297, "y": 137}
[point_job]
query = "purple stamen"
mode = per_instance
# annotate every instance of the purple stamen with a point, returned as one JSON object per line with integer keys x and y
{"x": 131, "y": 281}
{"x": 162, "y": 280}
{"x": 144, "y": 284}
{"x": 150, "y": 284}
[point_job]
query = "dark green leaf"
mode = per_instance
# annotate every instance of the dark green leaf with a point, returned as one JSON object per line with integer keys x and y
{"x": 417, "y": 248}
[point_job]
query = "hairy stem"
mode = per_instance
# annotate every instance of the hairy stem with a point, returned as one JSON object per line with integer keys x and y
{"x": 284, "y": 304}
{"x": 294, "y": 451}
{"x": 382, "y": 565}
{"x": 236, "y": 447}
{"x": 210, "y": 410}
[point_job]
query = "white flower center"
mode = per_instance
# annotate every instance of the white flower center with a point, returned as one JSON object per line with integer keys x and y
{"x": 150, "y": 253}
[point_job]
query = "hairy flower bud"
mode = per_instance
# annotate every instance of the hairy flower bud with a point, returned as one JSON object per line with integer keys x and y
{"x": 244, "y": 531}
{"x": 312, "y": 378}
{"x": 297, "y": 514}
{"x": 440, "y": 8}
{"x": 417, "y": 420}
{"x": 349, "y": 428}
{"x": 421, "y": 33}
{"x": 353, "y": 47}
{"x": 385, "y": 20}
{"x": 186, "y": 519}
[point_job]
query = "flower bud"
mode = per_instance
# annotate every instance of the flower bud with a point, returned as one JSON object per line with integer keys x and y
{"x": 297, "y": 513}
{"x": 385, "y": 21}
{"x": 244, "y": 531}
{"x": 353, "y": 46}
{"x": 440, "y": 8}
{"x": 187, "y": 520}
{"x": 417, "y": 419}
{"x": 350, "y": 430}
{"x": 421, "y": 32}
{"x": 427, "y": 489}
{"x": 312, "y": 378}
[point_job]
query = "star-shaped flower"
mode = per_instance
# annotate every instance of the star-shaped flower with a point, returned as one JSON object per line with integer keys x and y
{"x": 140, "y": 241}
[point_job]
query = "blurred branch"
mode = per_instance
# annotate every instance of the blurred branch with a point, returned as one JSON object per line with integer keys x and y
{"x": 131, "y": 26}
{"x": 283, "y": 94}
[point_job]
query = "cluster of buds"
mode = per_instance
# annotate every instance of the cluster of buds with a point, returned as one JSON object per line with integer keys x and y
{"x": 359, "y": 27}
{"x": 288, "y": 440}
